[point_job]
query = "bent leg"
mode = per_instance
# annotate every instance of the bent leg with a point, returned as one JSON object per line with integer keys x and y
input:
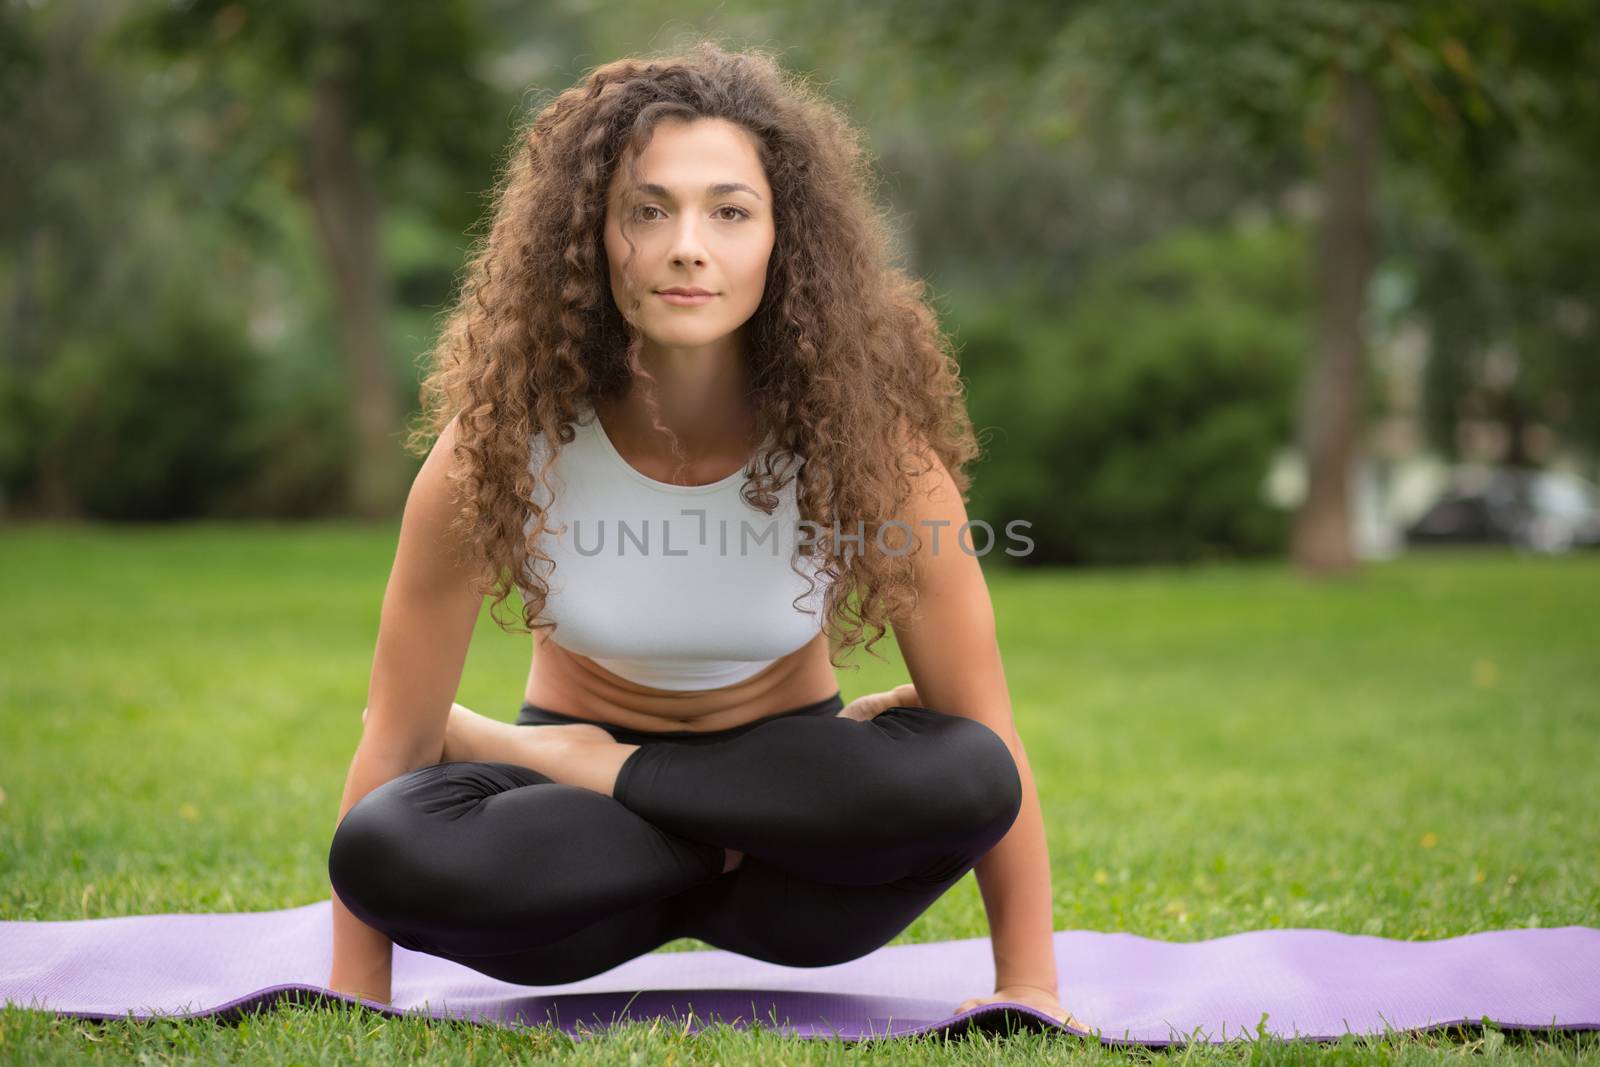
{"x": 835, "y": 800}
{"x": 499, "y": 868}
{"x": 769, "y": 914}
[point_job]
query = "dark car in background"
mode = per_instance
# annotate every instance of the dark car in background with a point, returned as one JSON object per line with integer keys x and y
{"x": 1540, "y": 511}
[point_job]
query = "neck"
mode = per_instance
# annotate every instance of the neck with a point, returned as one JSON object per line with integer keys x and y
{"x": 701, "y": 392}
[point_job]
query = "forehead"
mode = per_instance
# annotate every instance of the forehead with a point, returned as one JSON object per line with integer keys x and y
{"x": 688, "y": 156}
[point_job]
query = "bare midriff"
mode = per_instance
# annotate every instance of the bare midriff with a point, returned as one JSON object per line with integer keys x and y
{"x": 573, "y": 684}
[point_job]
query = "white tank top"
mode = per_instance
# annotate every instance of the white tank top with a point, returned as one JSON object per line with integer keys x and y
{"x": 671, "y": 586}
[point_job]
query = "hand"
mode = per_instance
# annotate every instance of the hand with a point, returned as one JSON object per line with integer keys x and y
{"x": 863, "y": 708}
{"x": 1034, "y": 997}
{"x": 351, "y": 990}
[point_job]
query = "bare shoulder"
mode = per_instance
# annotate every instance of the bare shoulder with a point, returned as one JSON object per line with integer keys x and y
{"x": 432, "y": 549}
{"x": 432, "y": 490}
{"x": 934, "y": 492}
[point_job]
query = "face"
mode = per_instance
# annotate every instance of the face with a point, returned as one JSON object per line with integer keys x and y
{"x": 701, "y": 218}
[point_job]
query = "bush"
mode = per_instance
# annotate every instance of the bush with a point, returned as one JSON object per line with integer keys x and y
{"x": 19, "y": 428}
{"x": 141, "y": 422}
{"x": 174, "y": 416}
{"x": 299, "y": 446}
{"x": 1137, "y": 423}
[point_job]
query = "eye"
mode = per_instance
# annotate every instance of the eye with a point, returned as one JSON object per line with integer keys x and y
{"x": 739, "y": 212}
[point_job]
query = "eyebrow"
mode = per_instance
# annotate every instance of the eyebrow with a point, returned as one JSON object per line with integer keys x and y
{"x": 717, "y": 189}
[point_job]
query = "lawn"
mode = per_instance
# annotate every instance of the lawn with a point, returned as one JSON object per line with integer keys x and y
{"x": 1411, "y": 754}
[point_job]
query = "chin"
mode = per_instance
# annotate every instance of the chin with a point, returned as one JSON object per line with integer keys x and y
{"x": 685, "y": 336}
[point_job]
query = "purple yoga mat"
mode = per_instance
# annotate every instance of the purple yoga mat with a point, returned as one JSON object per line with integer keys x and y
{"x": 1315, "y": 984}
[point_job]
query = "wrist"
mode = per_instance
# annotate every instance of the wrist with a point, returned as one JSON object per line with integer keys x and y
{"x": 1051, "y": 988}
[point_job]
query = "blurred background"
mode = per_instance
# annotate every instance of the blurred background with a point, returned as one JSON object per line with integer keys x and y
{"x": 1243, "y": 279}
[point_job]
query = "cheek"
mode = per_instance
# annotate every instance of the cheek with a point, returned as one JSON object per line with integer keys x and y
{"x": 753, "y": 260}
{"x": 618, "y": 250}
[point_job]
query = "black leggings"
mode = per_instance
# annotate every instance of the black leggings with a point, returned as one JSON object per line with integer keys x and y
{"x": 849, "y": 830}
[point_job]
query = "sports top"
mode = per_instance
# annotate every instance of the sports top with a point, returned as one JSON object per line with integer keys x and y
{"x": 671, "y": 586}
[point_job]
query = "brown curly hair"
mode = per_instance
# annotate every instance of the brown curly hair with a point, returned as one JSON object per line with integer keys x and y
{"x": 849, "y": 369}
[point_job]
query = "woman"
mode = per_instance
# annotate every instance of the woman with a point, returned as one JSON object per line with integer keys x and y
{"x": 682, "y": 323}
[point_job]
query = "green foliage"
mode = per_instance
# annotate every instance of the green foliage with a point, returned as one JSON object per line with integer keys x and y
{"x": 424, "y": 110}
{"x": 140, "y": 419}
{"x": 1461, "y": 84}
{"x": 297, "y": 438}
{"x": 18, "y": 417}
{"x": 1523, "y": 289}
{"x": 1138, "y": 424}
{"x": 1016, "y": 136}
{"x": 176, "y": 417}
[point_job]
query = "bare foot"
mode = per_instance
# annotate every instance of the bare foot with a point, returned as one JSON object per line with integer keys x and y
{"x": 867, "y": 707}
{"x": 551, "y": 750}
{"x": 470, "y": 736}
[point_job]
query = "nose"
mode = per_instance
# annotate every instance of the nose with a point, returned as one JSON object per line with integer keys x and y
{"x": 687, "y": 247}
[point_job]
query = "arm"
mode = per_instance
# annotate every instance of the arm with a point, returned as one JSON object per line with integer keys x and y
{"x": 953, "y": 656}
{"x": 430, "y": 607}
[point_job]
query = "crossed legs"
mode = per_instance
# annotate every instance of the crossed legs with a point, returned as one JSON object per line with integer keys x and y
{"x": 849, "y": 830}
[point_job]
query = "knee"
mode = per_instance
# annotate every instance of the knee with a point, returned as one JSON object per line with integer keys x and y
{"x": 361, "y": 838}
{"x": 994, "y": 783}
{"x": 368, "y": 844}
{"x": 969, "y": 781}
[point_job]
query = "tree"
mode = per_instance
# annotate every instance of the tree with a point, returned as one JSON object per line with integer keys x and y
{"x": 1447, "y": 88}
{"x": 1443, "y": 85}
{"x": 344, "y": 95}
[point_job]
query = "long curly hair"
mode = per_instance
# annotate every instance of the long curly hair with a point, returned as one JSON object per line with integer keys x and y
{"x": 849, "y": 369}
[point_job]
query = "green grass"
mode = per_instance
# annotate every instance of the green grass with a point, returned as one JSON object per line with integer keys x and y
{"x": 1411, "y": 755}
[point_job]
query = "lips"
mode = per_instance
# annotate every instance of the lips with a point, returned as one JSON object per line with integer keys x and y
{"x": 679, "y": 290}
{"x": 686, "y": 298}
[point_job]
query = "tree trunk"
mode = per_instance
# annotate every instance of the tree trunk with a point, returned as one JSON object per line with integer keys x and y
{"x": 1330, "y": 411}
{"x": 346, "y": 209}
{"x": 1514, "y": 417}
